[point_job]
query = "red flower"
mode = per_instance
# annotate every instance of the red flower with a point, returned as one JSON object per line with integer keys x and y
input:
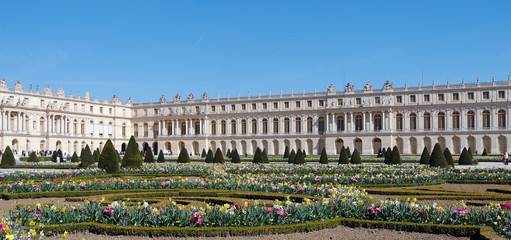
{"x": 363, "y": 211}
{"x": 335, "y": 209}
{"x": 481, "y": 220}
{"x": 421, "y": 212}
{"x": 192, "y": 219}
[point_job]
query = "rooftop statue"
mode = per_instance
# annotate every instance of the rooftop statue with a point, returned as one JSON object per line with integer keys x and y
{"x": 349, "y": 88}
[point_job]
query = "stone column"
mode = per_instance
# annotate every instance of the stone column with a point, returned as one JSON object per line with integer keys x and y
{"x": 18, "y": 122}
{"x": 201, "y": 126}
{"x": 420, "y": 120}
{"x": 371, "y": 122}
{"x": 315, "y": 124}
{"x": 352, "y": 124}
{"x": 462, "y": 124}
{"x": 327, "y": 125}
{"x": 390, "y": 120}
{"x": 48, "y": 123}
{"x": 494, "y": 120}
{"x": 383, "y": 121}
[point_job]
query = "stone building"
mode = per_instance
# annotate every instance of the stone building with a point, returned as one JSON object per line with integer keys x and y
{"x": 454, "y": 115}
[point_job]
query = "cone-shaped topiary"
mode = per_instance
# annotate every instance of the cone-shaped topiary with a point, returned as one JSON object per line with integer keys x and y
{"x": 304, "y": 154}
{"x": 235, "y": 157}
{"x": 132, "y": 157}
{"x": 265, "y": 156}
{"x": 485, "y": 153}
{"x": 86, "y": 158}
{"x": 286, "y": 152}
{"x": 183, "y": 157}
{"x": 149, "y": 157}
{"x": 203, "y": 154}
{"x": 465, "y": 158}
{"x": 141, "y": 154}
{"x": 75, "y": 157}
{"x": 470, "y": 152}
{"x": 54, "y": 155}
{"x": 299, "y": 158}
{"x": 258, "y": 156}
{"x": 348, "y": 151}
{"x": 425, "y": 156}
{"x": 109, "y": 158}
{"x": 343, "y": 156}
{"x": 219, "y": 156}
{"x": 33, "y": 157}
{"x": 228, "y": 154}
{"x": 437, "y": 157}
{"x": 59, "y": 154}
{"x": 395, "y": 158}
{"x": 448, "y": 157}
{"x": 387, "y": 155}
{"x": 324, "y": 158}
{"x": 95, "y": 155}
{"x": 355, "y": 157}
{"x": 209, "y": 157}
{"x": 291, "y": 158}
{"x": 161, "y": 157}
{"x": 7, "y": 158}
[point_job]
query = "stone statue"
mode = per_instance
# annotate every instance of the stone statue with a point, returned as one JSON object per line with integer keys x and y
{"x": 163, "y": 100}
{"x": 331, "y": 89}
{"x": 129, "y": 101}
{"x": 47, "y": 90}
{"x": 205, "y": 96}
{"x": 3, "y": 83}
{"x": 18, "y": 86}
{"x": 177, "y": 98}
{"x": 60, "y": 92}
{"x": 349, "y": 88}
{"x": 368, "y": 87}
{"x": 387, "y": 85}
{"x": 190, "y": 97}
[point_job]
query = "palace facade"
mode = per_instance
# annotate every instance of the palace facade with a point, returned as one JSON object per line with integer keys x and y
{"x": 454, "y": 115}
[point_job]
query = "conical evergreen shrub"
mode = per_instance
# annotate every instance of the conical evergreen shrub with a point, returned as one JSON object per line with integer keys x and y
{"x": 387, "y": 156}
{"x": 203, "y": 154}
{"x": 86, "y": 158}
{"x": 383, "y": 152}
{"x": 183, "y": 157}
{"x": 219, "y": 157}
{"x": 33, "y": 157}
{"x": 437, "y": 157}
{"x": 324, "y": 158}
{"x": 265, "y": 156}
{"x": 209, "y": 157}
{"x": 235, "y": 157}
{"x": 286, "y": 152}
{"x": 258, "y": 156}
{"x": 95, "y": 155}
{"x": 132, "y": 158}
{"x": 343, "y": 156}
{"x": 59, "y": 154}
{"x": 448, "y": 157}
{"x": 299, "y": 158}
{"x": 228, "y": 154}
{"x": 395, "y": 158}
{"x": 304, "y": 154}
{"x": 109, "y": 158}
{"x": 470, "y": 152}
{"x": 425, "y": 156}
{"x": 348, "y": 151}
{"x": 465, "y": 158}
{"x": 161, "y": 157}
{"x": 355, "y": 157}
{"x": 8, "y": 158}
{"x": 485, "y": 153}
{"x": 149, "y": 157}
{"x": 75, "y": 158}
{"x": 291, "y": 158}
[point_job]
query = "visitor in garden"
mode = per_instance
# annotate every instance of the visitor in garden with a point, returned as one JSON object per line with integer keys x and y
{"x": 505, "y": 159}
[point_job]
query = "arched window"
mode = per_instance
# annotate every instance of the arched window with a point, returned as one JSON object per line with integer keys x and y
{"x": 321, "y": 124}
{"x": 223, "y": 129}
{"x": 377, "y": 122}
{"x": 413, "y": 121}
{"x": 254, "y": 127}
{"x": 146, "y": 129}
{"x": 502, "y": 118}
{"x": 309, "y": 124}
{"x": 275, "y": 125}
{"x": 340, "y": 123}
{"x": 399, "y": 121}
{"x": 82, "y": 127}
{"x": 197, "y": 127}
{"x": 456, "y": 120}
{"x": 358, "y": 123}
{"x": 486, "y": 119}
{"x": 286, "y": 125}
{"x": 183, "y": 128}
{"x": 169, "y": 128}
{"x": 213, "y": 127}
{"x": 243, "y": 126}
{"x": 75, "y": 127}
{"x": 265, "y": 126}
{"x": 135, "y": 130}
{"x": 298, "y": 125}
{"x": 427, "y": 121}
{"x": 155, "y": 129}
{"x": 123, "y": 130}
{"x": 471, "y": 124}
{"x": 441, "y": 120}
{"x": 233, "y": 127}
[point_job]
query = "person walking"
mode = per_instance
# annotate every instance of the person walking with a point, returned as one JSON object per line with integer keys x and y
{"x": 506, "y": 159}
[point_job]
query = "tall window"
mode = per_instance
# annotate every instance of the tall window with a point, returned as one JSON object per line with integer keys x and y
{"x": 197, "y": 127}
{"x": 275, "y": 125}
{"x": 377, "y": 122}
{"x": 413, "y": 121}
{"x": 213, "y": 127}
{"x": 82, "y": 128}
{"x": 169, "y": 128}
{"x": 309, "y": 124}
{"x": 486, "y": 119}
{"x": 358, "y": 123}
{"x": 502, "y": 118}
{"x": 399, "y": 121}
{"x": 223, "y": 129}
{"x": 265, "y": 126}
{"x": 135, "y": 130}
{"x": 340, "y": 123}
{"x": 243, "y": 126}
{"x": 183, "y": 128}
{"x": 286, "y": 125}
{"x": 298, "y": 125}
{"x": 233, "y": 127}
{"x": 471, "y": 123}
{"x": 146, "y": 129}
{"x": 123, "y": 130}
{"x": 321, "y": 124}
{"x": 155, "y": 129}
{"x": 441, "y": 120}
{"x": 456, "y": 120}
{"x": 254, "y": 126}
{"x": 427, "y": 121}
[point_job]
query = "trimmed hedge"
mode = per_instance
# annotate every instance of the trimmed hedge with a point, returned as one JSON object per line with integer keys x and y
{"x": 33, "y": 158}
{"x": 7, "y": 158}
{"x": 132, "y": 157}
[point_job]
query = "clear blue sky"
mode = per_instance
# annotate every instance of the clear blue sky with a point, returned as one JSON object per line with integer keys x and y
{"x": 144, "y": 49}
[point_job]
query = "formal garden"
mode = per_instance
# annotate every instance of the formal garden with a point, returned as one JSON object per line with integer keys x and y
{"x": 227, "y": 195}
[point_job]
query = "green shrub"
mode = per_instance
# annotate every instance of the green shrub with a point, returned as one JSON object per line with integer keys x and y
{"x": 203, "y": 154}
{"x": 161, "y": 157}
{"x": 183, "y": 157}
{"x": 425, "y": 156}
{"x": 75, "y": 157}
{"x": 437, "y": 157}
{"x": 132, "y": 158}
{"x": 355, "y": 157}
{"x": 109, "y": 158}
{"x": 209, "y": 157}
{"x": 343, "y": 157}
{"x": 324, "y": 158}
{"x": 448, "y": 157}
{"x": 286, "y": 152}
{"x": 33, "y": 157}
{"x": 149, "y": 157}
{"x": 383, "y": 152}
{"x": 471, "y": 151}
{"x": 95, "y": 155}
{"x": 485, "y": 153}
{"x": 299, "y": 158}
{"x": 348, "y": 151}
{"x": 219, "y": 156}
{"x": 388, "y": 155}
{"x": 395, "y": 158}
{"x": 265, "y": 156}
{"x": 465, "y": 158}
{"x": 228, "y": 154}
{"x": 378, "y": 153}
{"x": 86, "y": 158}
{"x": 258, "y": 156}
{"x": 291, "y": 158}
{"x": 304, "y": 154}
{"x": 235, "y": 157}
